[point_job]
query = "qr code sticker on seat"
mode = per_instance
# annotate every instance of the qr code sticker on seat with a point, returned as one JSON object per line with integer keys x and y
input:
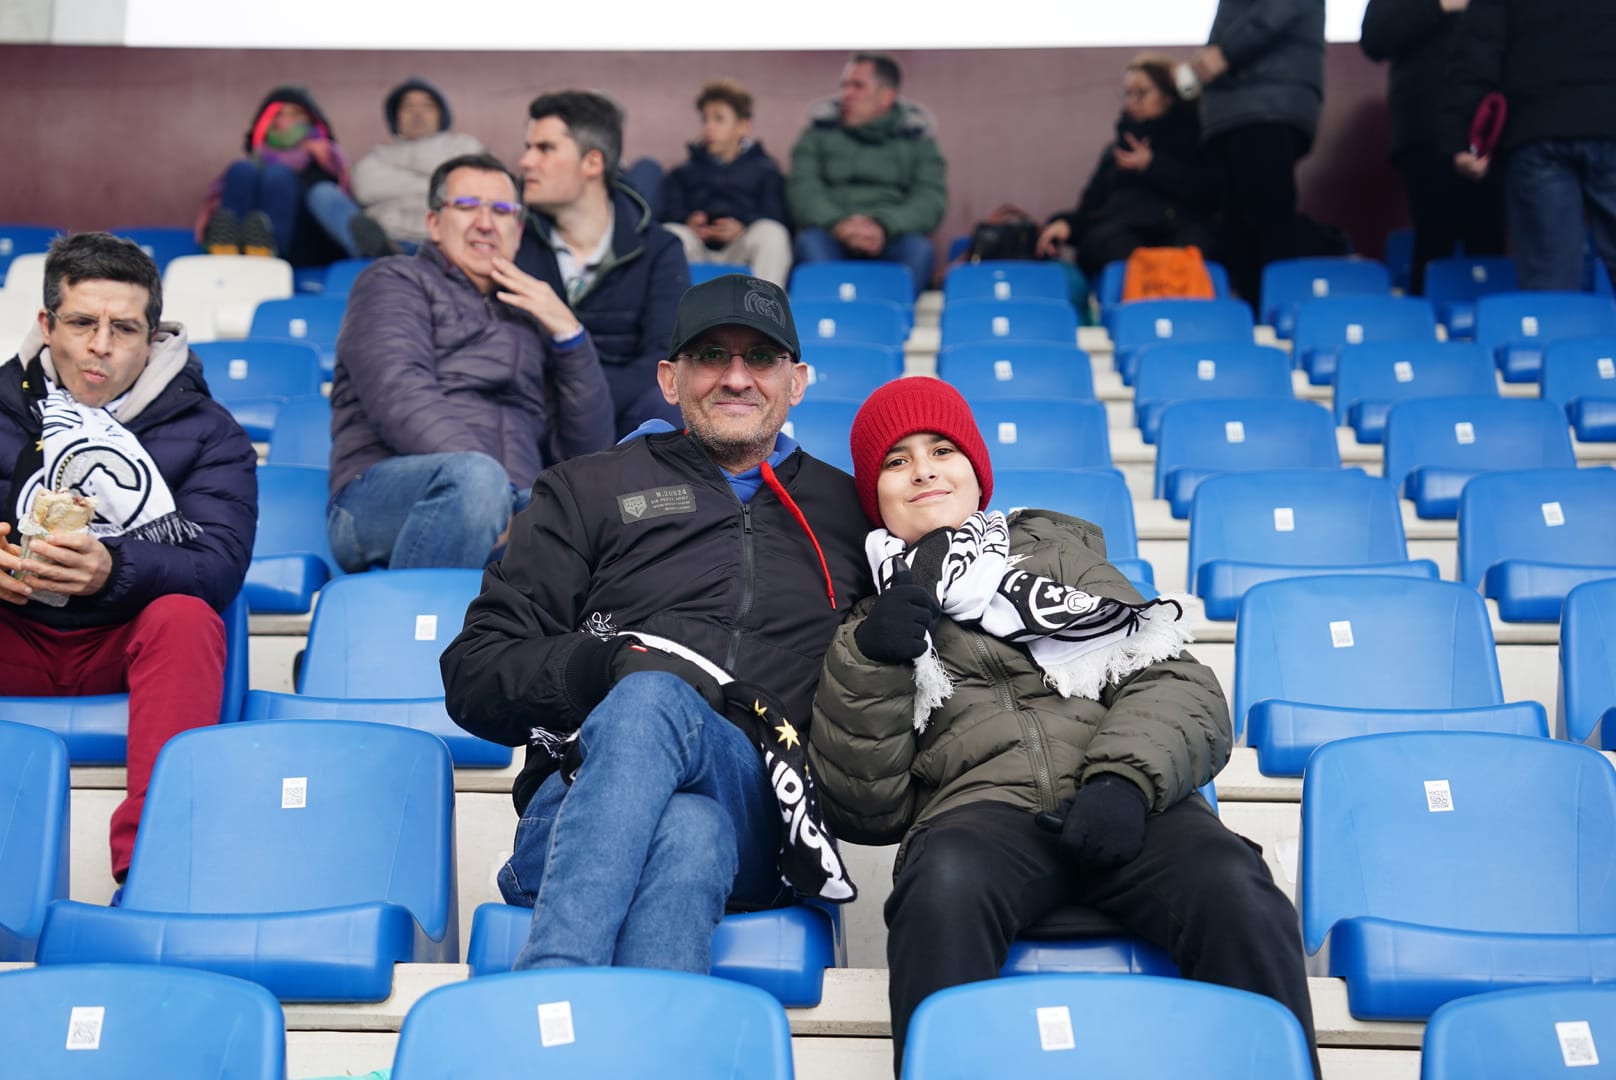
{"x": 1438, "y": 796}
{"x": 1576, "y": 1043}
{"x": 84, "y": 1027}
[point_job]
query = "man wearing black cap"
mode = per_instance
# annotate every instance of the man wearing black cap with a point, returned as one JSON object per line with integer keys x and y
{"x": 648, "y": 591}
{"x": 390, "y": 182}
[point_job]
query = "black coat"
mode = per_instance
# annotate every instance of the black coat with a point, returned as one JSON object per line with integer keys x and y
{"x": 746, "y": 189}
{"x": 1414, "y": 36}
{"x": 1180, "y": 184}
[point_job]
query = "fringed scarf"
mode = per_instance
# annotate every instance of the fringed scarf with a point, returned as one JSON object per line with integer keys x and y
{"x": 1081, "y": 642}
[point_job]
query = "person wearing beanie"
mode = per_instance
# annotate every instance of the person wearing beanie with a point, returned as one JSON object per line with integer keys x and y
{"x": 1030, "y": 730}
{"x": 653, "y": 635}
{"x": 390, "y": 182}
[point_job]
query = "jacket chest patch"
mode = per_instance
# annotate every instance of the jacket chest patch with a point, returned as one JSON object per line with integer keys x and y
{"x": 655, "y": 503}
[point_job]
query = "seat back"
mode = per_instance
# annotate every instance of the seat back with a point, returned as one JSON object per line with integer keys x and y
{"x": 1580, "y": 368}
{"x": 379, "y": 634}
{"x": 291, "y": 513}
{"x": 1365, "y": 642}
{"x": 852, "y": 279}
{"x": 1243, "y": 435}
{"x": 1036, "y": 433}
{"x": 84, "y": 1021}
{"x": 1328, "y": 324}
{"x": 1108, "y": 290}
{"x": 33, "y": 833}
{"x": 25, "y": 274}
{"x": 1475, "y": 434}
{"x": 298, "y": 815}
{"x": 1587, "y": 704}
{"x": 1453, "y": 285}
{"x": 162, "y": 244}
{"x": 340, "y": 276}
{"x": 822, "y": 428}
{"x": 1017, "y": 369}
{"x": 1535, "y": 1031}
{"x": 876, "y": 322}
{"x": 1462, "y": 830}
{"x": 968, "y": 321}
{"x": 228, "y": 278}
{"x": 18, "y": 239}
{"x": 1564, "y": 516}
{"x": 595, "y": 1022}
{"x": 253, "y": 370}
{"x": 1006, "y": 279}
{"x": 1151, "y": 322}
{"x": 1099, "y": 496}
{"x": 849, "y": 371}
{"x": 1541, "y": 317}
{"x": 701, "y": 272}
{"x": 313, "y": 319}
{"x": 1213, "y": 369}
{"x": 1288, "y": 282}
{"x": 302, "y": 434}
{"x": 1048, "y": 1026}
{"x": 1376, "y": 374}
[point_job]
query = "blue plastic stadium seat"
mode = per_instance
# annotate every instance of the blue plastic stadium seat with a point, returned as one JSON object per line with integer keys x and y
{"x": 86, "y": 1022}
{"x": 822, "y": 428}
{"x": 1324, "y": 658}
{"x": 1041, "y": 434}
{"x": 1369, "y": 378}
{"x": 291, "y": 556}
{"x": 1096, "y": 495}
{"x": 1017, "y": 369}
{"x": 33, "y": 834}
{"x": 842, "y": 371}
{"x": 373, "y": 654}
{"x": 1006, "y": 279}
{"x": 1213, "y": 369}
{"x": 1539, "y": 1031}
{"x": 1145, "y": 323}
{"x": 1114, "y": 276}
{"x": 253, "y": 379}
{"x": 17, "y": 239}
{"x": 1288, "y": 282}
{"x": 784, "y": 951}
{"x": 853, "y": 279}
{"x": 1580, "y": 375}
{"x": 1436, "y": 865}
{"x": 1327, "y": 325}
{"x": 1248, "y": 528}
{"x": 967, "y": 322}
{"x": 96, "y": 727}
{"x": 873, "y": 322}
{"x": 1199, "y": 439}
{"x": 1517, "y": 327}
{"x": 302, "y": 434}
{"x": 602, "y": 1022}
{"x": 340, "y": 276}
{"x": 701, "y": 272}
{"x": 312, "y": 320}
{"x": 1587, "y": 699}
{"x": 1400, "y": 257}
{"x": 1526, "y": 538}
{"x": 1434, "y": 446}
{"x": 1044, "y": 1027}
{"x": 163, "y": 244}
{"x": 1454, "y": 284}
{"x": 309, "y": 856}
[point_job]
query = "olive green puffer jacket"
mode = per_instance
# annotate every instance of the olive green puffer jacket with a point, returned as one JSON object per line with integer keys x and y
{"x": 889, "y": 169}
{"x": 1004, "y": 735}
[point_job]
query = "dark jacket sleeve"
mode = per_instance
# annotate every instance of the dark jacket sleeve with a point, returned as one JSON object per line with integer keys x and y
{"x": 813, "y": 203}
{"x": 503, "y": 673}
{"x": 1186, "y": 178}
{"x": 1094, "y": 194}
{"x": 220, "y": 494}
{"x": 772, "y": 197}
{"x": 583, "y": 419}
{"x": 1392, "y": 27}
{"x": 1475, "y": 69}
{"x": 386, "y": 346}
{"x": 1258, "y": 28}
{"x": 674, "y": 200}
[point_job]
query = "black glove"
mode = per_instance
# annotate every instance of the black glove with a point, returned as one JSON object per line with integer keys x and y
{"x": 1103, "y": 825}
{"x": 634, "y": 657}
{"x": 894, "y": 631}
{"x": 586, "y": 677}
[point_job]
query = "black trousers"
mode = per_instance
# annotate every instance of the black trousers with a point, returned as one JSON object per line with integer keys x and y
{"x": 1111, "y": 241}
{"x": 1257, "y": 164}
{"x": 1446, "y": 209}
{"x": 975, "y": 877}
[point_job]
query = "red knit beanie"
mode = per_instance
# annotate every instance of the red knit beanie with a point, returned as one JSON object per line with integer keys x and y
{"x": 905, "y": 407}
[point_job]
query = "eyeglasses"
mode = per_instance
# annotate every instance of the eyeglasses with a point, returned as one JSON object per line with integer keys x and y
{"x": 470, "y": 204}
{"x": 759, "y": 359}
{"x": 123, "y": 331}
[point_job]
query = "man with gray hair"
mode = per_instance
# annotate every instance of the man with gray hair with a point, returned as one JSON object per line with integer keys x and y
{"x": 458, "y": 378}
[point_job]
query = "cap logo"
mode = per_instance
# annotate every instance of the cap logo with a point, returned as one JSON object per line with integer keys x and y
{"x": 759, "y": 302}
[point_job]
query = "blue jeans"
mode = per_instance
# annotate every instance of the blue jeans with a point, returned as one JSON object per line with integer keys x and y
{"x": 911, "y": 249}
{"x": 272, "y": 188}
{"x": 1550, "y": 183}
{"x": 335, "y": 210}
{"x": 670, "y": 817}
{"x": 422, "y": 510}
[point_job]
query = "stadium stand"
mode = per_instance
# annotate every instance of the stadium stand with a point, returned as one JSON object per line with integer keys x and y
{"x": 1580, "y": 374}
{"x": 1288, "y": 282}
{"x": 1200, "y": 439}
{"x": 1516, "y": 327}
{"x": 1327, "y": 325}
{"x": 1586, "y": 709}
{"x": 1538, "y": 1031}
{"x": 1373, "y": 376}
{"x": 1017, "y": 370}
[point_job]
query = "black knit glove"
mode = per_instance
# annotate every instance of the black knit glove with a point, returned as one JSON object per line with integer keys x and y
{"x": 635, "y": 657}
{"x": 1103, "y": 825}
{"x": 894, "y": 632}
{"x": 586, "y": 677}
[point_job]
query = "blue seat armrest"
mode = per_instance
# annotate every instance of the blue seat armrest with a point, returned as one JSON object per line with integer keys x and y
{"x": 1284, "y": 733}
{"x": 1319, "y": 363}
{"x": 1519, "y": 361}
{"x": 1459, "y": 316}
{"x": 284, "y": 584}
{"x": 1178, "y": 488}
{"x": 1535, "y": 591}
{"x": 1368, "y": 420}
{"x": 1593, "y": 419}
{"x": 1147, "y": 418}
{"x": 1137, "y": 571}
{"x": 95, "y": 728}
{"x": 1435, "y": 490}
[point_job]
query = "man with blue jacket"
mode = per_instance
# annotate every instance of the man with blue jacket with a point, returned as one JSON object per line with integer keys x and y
{"x": 105, "y": 403}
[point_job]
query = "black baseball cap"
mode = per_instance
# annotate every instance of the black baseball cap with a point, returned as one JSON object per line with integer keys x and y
{"x": 735, "y": 300}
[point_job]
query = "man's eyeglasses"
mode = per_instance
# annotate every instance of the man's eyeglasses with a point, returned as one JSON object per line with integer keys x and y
{"x": 123, "y": 331}
{"x": 759, "y": 359}
{"x": 499, "y": 207}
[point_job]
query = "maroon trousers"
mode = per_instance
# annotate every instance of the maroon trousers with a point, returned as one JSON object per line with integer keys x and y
{"x": 169, "y": 659}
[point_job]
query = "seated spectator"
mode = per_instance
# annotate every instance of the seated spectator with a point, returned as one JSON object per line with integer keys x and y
{"x": 391, "y": 182}
{"x": 105, "y": 402}
{"x": 727, "y": 203}
{"x": 867, "y": 180}
{"x": 1032, "y": 731}
{"x": 595, "y": 241}
{"x": 1152, "y": 186}
{"x": 458, "y": 378}
{"x": 290, "y": 195}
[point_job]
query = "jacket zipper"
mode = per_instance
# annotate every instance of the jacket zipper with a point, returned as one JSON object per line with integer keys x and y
{"x": 1031, "y": 730}
{"x": 747, "y": 572}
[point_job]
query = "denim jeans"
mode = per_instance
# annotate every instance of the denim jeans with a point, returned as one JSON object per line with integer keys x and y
{"x": 670, "y": 817}
{"x": 272, "y": 188}
{"x": 422, "y": 510}
{"x": 335, "y": 210}
{"x": 911, "y": 249}
{"x": 1550, "y": 183}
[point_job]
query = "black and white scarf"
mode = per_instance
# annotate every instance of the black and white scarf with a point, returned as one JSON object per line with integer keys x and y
{"x": 1081, "y": 642}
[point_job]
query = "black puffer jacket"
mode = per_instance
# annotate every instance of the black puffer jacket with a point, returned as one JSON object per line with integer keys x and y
{"x": 650, "y": 536}
{"x": 1180, "y": 184}
{"x": 1414, "y": 36}
{"x": 1275, "y": 50}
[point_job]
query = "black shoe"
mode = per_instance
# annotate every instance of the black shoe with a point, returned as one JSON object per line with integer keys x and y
{"x": 222, "y": 234}
{"x": 258, "y": 235}
{"x": 369, "y": 239}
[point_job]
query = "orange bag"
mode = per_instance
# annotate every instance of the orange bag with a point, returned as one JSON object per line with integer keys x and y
{"x": 1162, "y": 273}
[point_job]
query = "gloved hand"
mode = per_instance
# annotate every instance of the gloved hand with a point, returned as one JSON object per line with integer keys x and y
{"x": 1103, "y": 825}
{"x": 634, "y": 657}
{"x": 598, "y": 664}
{"x": 894, "y": 631}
